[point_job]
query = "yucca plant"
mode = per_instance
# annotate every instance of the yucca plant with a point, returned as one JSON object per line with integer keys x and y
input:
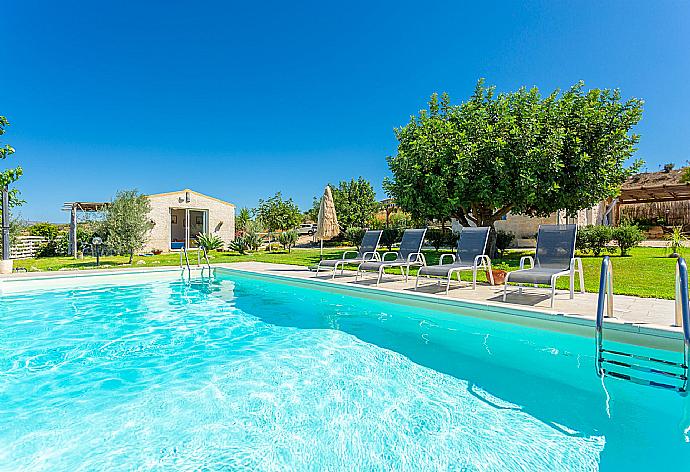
{"x": 240, "y": 244}
{"x": 676, "y": 241}
{"x": 288, "y": 239}
{"x": 210, "y": 241}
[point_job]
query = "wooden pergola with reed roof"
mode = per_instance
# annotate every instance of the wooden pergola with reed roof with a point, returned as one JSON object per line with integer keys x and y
{"x": 74, "y": 208}
{"x": 653, "y": 192}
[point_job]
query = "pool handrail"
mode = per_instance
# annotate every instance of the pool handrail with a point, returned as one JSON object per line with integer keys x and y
{"x": 682, "y": 315}
{"x": 604, "y": 302}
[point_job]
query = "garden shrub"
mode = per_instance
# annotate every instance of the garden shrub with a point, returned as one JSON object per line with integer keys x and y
{"x": 354, "y": 235}
{"x": 594, "y": 239}
{"x": 240, "y": 244}
{"x": 288, "y": 239}
{"x": 209, "y": 241}
{"x": 503, "y": 240}
{"x": 439, "y": 238}
{"x": 390, "y": 236}
{"x": 627, "y": 236}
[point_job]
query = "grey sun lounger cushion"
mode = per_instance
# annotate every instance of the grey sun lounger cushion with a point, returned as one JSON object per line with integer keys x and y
{"x": 367, "y": 247}
{"x": 411, "y": 244}
{"x": 472, "y": 243}
{"x": 537, "y": 275}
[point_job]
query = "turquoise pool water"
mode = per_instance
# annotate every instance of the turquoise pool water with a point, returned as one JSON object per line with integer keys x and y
{"x": 250, "y": 374}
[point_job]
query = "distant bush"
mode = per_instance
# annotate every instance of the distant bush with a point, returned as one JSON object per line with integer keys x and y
{"x": 354, "y": 235}
{"x": 288, "y": 239}
{"x": 439, "y": 238}
{"x": 594, "y": 239}
{"x": 503, "y": 240}
{"x": 391, "y": 236}
{"x": 273, "y": 247}
{"x": 627, "y": 236}
{"x": 45, "y": 230}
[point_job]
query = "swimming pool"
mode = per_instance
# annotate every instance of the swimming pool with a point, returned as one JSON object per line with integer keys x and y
{"x": 253, "y": 373}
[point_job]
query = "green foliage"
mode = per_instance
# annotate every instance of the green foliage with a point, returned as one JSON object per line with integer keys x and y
{"x": 278, "y": 214}
{"x": 627, "y": 236}
{"x": 503, "y": 241}
{"x": 312, "y": 214}
{"x": 513, "y": 152}
{"x": 242, "y": 220}
{"x": 439, "y": 238}
{"x": 594, "y": 239}
{"x": 9, "y": 176}
{"x": 391, "y": 236}
{"x": 685, "y": 175}
{"x": 288, "y": 239}
{"x": 354, "y": 235}
{"x": 240, "y": 244}
{"x": 127, "y": 222}
{"x": 669, "y": 167}
{"x": 45, "y": 230}
{"x": 355, "y": 202}
{"x": 400, "y": 219}
{"x": 210, "y": 241}
{"x": 676, "y": 240}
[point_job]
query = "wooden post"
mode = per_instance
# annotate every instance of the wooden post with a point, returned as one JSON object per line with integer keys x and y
{"x": 73, "y": 231}
{"x": 5, "y": 224}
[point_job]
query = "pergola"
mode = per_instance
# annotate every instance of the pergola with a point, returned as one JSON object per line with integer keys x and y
{"x": 655, "y": 193}
{"x": 74, "y": 208}
{"x": 633, "y": 193}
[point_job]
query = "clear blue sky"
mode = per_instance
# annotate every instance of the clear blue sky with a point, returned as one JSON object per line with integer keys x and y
{"x": 241, "y": 99}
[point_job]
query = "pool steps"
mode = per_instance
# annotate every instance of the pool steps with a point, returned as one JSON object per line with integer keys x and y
{"x": 606, "y": 359}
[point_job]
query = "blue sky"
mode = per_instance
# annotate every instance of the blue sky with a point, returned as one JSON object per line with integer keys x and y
{"x": 239, "y": 100}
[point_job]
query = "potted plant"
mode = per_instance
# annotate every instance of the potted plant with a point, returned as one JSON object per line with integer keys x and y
{"x": 499, "y": 272}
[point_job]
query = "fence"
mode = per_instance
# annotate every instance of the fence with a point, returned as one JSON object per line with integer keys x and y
{"x": 667, "y": 213}
{"x": 26, "y": 247}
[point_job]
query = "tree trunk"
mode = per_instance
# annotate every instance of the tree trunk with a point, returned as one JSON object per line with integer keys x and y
{"x": 131, "y": 256}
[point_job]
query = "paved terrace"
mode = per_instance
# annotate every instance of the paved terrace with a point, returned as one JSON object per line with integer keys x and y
{"x": 640, "y": 313}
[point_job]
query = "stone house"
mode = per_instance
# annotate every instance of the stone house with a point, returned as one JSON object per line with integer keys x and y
{"x": 178, "y": 217}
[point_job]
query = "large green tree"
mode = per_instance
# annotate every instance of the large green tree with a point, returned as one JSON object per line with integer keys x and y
{"x": 127, "y": 223}
{"x": 514, "y": 152}
{"x": 355, "y": 203}
{"x": 278, "y": 214}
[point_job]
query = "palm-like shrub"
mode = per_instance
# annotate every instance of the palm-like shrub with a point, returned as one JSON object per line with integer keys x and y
{"x": 676, "y": 241}
{"x": 288, "y": 239}
{"x": 210, "y": 241}
{"x": 240, "y": 244}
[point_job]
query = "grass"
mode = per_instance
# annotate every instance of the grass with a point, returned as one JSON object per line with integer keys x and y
{"x": 648, "y": 272}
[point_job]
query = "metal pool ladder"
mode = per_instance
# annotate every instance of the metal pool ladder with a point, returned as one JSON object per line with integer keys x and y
{"x": 200, "y": 249}
{"x": 674, "y": 374}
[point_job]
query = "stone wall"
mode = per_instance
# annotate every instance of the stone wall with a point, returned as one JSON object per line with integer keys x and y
{"x": 221, "y": 216}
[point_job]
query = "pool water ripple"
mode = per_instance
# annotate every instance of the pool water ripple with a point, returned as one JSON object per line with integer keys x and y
{"x": 259, "y": 376}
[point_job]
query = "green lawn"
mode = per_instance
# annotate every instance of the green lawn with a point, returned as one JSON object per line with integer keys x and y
{"x": 647, "y": 273}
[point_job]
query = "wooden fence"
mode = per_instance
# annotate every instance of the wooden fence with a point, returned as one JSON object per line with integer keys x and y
{"x": 671, "y": 213}
{"x": 26, "y": 247}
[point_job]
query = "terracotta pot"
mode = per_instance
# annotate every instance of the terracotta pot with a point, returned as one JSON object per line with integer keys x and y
{"x": 499, "y": 276}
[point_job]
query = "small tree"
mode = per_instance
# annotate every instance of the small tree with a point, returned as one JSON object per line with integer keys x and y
{"x": 127, "y": 222}
{"x": 355, "y": 202}
{"x": 242, "y": 220}
{"x": 8, "y": 177}
{"x": 278, "y": 214}
{"x": 503, "y": 241}
{"x": 627, "y": 236}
